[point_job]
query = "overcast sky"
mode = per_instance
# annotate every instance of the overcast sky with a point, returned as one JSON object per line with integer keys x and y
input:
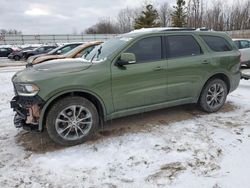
{"x": 60, "y": 16}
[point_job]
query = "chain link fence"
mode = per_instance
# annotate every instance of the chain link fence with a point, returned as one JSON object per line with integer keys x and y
{"x": 51, "y": 39}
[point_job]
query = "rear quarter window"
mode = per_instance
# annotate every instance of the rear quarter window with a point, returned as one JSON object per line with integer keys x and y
{"x": 217, "y": 44}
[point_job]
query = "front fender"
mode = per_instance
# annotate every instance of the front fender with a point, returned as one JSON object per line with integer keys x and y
{"x": 50, "y": 101}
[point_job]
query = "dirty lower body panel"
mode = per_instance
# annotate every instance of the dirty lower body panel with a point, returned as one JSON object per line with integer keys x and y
{"x": 27, "y": 112}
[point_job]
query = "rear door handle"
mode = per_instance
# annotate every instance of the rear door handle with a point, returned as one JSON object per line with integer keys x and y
{"x": 158, "y": 68}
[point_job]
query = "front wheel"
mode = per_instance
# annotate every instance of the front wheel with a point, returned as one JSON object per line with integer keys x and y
{"x": 72, "y": 120}
{"x": 17, "y": 58}
{"x": 213, "y": 95}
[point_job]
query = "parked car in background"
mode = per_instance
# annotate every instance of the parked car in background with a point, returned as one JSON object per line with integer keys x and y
{"x": 57, "y": 51}
{"x": 79, "y": 51}
{"x": 17, "y": 55}
{"x": 4, "y": 52}
{"x": 132, "y": 73}
{"x": 39, "y": 50}
{"x": 244, "y": 47}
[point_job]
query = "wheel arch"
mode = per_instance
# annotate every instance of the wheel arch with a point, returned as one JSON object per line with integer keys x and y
{"x": 99, "y": 104}
{"x": 221, "y": 76}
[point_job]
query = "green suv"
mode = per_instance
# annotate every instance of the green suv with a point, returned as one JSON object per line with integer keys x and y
{"x": 133, "y": 73}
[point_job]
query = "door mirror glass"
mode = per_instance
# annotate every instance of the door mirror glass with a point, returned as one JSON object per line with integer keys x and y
{"x": 126, "y": 58}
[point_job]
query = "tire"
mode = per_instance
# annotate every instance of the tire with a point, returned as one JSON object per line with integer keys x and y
{"x": 17, "y": 58}
{"x": 66, "y": 129}
{"x": 211, "y": 99}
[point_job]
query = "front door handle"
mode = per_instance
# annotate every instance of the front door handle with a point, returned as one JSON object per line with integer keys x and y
{"x": 205, "y": 61}
{"x": 158, "y": 68}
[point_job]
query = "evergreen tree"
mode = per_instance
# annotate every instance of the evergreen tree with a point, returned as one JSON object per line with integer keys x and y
{"x": 179, "y": 15}
{"x": 148, "y": 18}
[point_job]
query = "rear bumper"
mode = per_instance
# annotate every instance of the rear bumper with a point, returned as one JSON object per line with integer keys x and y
{"x": 22, "y": 106}
{"x": 235, "y": 81}
{"x": 247, "y": 63}
{"x": 245, "y": 76}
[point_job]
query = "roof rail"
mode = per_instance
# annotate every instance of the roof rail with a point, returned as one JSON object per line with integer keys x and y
{"x": 180, "y": 29}
{"x": 162, "y": 29}
{"x": 188, "y": 29}
{"x": 203, "y": 29}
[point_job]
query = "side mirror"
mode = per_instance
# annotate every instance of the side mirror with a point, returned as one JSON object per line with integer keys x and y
{"x": 126, "y": 58}
{"x": 59, "y": 52}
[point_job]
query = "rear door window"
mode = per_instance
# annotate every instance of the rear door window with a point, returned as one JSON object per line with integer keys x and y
{"x": 148, "y": 49}
{"x": 217, "y": 44}
{"x": 182, "y": 46}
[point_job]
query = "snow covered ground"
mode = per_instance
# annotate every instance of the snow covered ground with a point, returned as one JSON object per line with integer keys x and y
{"x": 4, "y": 62}
{"x": 176, "y": 147}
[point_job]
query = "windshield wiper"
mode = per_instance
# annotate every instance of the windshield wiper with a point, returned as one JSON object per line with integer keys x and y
{"x": 98, "y": 53}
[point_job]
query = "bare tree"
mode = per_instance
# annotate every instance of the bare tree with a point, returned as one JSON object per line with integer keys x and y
{"x": 224, "y": 17}
{"x": 195, "y": 13}
{"x": 240, "y": 16}
{"x": 125, "y": 19}
{"x": 10, "y": 31}
{"x": 164, "y": 13}
{"x": 104, "y": 26}
{"x": 214, "y": 17}
{"x": 218, "y": 16}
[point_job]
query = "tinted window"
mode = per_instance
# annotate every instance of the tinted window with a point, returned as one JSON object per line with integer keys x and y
{"x": 148, "y": 49}
{"x": 41, "y": 49}
{"x": 244, "y": 44}
{"x": 180, "y": 46}
{"x": 217, "y": 44}
{"x": 66, "y": 49}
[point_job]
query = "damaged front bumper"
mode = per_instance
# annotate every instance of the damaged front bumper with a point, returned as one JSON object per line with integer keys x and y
{"x": 27, "y": 112}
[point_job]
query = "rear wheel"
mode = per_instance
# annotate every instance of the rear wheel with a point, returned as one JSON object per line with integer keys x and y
{"x": 213, "y": 95}
{"x": 72, "y": 120}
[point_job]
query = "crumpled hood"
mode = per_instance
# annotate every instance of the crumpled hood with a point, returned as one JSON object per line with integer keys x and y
{"x": 51, "y": 69}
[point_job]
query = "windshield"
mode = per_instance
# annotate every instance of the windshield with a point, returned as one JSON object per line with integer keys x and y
{"x": 35, "y": 48}
{"x": 28, "y": 48}
{"x": 103, "y": 51}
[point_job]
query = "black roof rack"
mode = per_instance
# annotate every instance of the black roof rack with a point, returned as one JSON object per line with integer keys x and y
{"x": 180, "y": 29}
